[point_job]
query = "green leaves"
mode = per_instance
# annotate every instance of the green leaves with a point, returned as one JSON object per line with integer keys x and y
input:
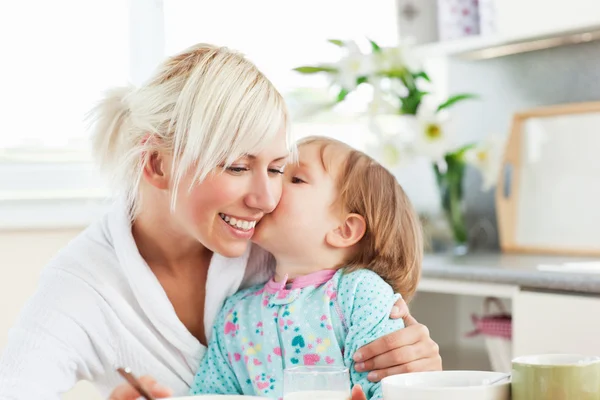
{"x": 409, "y": 97}
{"x": 345, "y": 92}
{"x": 374, "y": 46}
{"x": 423, "y": 75}
{"x": 337, "y": 42}
{"x": 410, "y": 104}
{"x": 455, "y": 99}
{"x": 342, "y": 95}
{"x": 460, "y": 153}
{"x": 314, "y": 69}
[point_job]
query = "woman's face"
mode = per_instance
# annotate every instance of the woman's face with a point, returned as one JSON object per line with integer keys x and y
{"x": 221, "y": 211}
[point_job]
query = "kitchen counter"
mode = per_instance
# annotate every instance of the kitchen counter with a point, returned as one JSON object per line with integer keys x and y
{"x": 552, "y": 300}
{"x": 570, "y": 274}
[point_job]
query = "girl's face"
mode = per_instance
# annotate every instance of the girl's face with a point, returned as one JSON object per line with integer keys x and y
{"x": 306, "y": 211}
{"x": 222, "y": 211}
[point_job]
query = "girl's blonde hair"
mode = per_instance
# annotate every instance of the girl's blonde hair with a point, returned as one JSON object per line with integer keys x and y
{"x": 392, "y": 245}
{"x": 205, "y": 106}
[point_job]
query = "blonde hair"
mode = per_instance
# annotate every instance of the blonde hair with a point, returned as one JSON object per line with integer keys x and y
{"x": 206, "y": 106}
{"x": 392, "y": 245}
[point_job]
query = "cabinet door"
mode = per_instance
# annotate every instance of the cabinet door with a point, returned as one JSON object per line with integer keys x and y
{"x": 555, "y": 323}
{"x": 537, "y": 17}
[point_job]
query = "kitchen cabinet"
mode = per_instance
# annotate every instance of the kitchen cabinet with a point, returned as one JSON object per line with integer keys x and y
{"x": 521, "y": 18}
{"x": 555, "y": 323}
{"x": 523, "y": 26}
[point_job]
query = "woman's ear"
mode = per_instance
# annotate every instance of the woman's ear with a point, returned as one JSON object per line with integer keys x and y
{"x": 155, "y": 170}
{"x": 349, "y": 233}
{"x": 156, "y": 164}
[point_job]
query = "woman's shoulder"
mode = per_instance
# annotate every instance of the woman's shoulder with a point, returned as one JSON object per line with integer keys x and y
{"x": 87, "y": 255}
{"x": 72, "y": 280}
{"x": 88, "y": 265}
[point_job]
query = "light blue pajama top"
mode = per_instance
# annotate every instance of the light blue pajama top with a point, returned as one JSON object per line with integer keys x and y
{"x": 318, "y": 319}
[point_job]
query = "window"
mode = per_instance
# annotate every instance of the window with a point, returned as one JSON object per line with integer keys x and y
{"x": 58, "y": 56}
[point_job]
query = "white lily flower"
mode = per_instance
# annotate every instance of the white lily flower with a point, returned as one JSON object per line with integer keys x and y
{"x": 395, "y": 154}
{"x": 486, "y": 156}
{"x": 391, "y": 152}
{"x": 398, "y": 88}
{"x": 354, "y": 65}
{"x": 432, "y": 138}
{"x": 402, "y": 127}
{"x": 388, "y": 59}
{"x": 380, "y": 102}
{"x": 396, "y": 58}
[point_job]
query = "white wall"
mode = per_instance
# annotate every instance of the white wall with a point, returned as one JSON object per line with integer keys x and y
{"x": 24, "y": 254}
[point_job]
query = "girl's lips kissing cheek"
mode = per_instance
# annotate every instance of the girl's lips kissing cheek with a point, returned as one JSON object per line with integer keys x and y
{"x": 239, "y": 227}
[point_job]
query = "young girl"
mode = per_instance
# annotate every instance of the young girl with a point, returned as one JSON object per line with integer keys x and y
{"x": 353, "y": 241}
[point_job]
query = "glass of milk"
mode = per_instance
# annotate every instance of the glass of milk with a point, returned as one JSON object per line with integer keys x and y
{"x": 316, "y": 383}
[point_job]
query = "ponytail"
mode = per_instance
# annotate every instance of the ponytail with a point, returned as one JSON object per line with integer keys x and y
{"x": 109, "y": 123}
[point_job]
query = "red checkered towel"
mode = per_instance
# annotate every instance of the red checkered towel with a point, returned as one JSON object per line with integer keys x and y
{"x": 492, "y": 324}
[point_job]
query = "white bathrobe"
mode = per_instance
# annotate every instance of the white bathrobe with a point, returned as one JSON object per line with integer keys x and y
{"x": 98, "y": 307}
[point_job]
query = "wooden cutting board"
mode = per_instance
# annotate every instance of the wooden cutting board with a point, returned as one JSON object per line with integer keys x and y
{"x": 548, "y": 193}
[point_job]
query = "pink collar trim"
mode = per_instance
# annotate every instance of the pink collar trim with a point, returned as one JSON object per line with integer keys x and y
{"x": 314, "y": 279}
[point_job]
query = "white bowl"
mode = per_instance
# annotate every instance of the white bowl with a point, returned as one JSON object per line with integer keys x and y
{"x": 446, "y": 385}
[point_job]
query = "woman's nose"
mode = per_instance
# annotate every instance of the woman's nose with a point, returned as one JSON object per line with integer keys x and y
{"x": 263, "y": 196}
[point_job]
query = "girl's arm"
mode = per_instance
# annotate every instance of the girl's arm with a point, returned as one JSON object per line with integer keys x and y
{"x": 365, "y": 300}
{"x": 407, "y": 350}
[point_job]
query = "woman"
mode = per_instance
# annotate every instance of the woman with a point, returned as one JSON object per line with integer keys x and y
{"x": 204, "y": 141}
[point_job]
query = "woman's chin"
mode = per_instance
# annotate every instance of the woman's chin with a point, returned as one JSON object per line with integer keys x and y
{"x": 233, "y": 250}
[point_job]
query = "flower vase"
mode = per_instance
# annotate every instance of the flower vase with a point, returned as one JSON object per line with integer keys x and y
{"x": 449, "y": 176}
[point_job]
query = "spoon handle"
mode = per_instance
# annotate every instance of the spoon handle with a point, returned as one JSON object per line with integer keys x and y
{"x": 133, "y": 381}
{"x": 498, "y": 380}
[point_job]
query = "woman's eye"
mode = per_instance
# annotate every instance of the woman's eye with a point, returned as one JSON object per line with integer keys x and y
{"x": 295, "y": 179}
{"x": 237, "y": 170}
{"x": 276, "y": 171}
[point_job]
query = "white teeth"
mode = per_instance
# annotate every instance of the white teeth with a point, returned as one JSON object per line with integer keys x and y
{"x": 238, "y": 223}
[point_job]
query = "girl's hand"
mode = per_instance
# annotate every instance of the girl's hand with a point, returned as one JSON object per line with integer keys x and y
{"x": 407, "y": 350}
{"x": 126, "y": 392}
{"x": 357, "y": 393}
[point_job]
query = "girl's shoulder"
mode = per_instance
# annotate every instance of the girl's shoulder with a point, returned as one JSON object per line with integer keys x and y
{"x": 244, "y": 296}
{"x": 357, "y": 278}
{"x": 360, "y": 285}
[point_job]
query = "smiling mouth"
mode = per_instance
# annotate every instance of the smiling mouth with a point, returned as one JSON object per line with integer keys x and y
{"x": 240, "y": 224}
